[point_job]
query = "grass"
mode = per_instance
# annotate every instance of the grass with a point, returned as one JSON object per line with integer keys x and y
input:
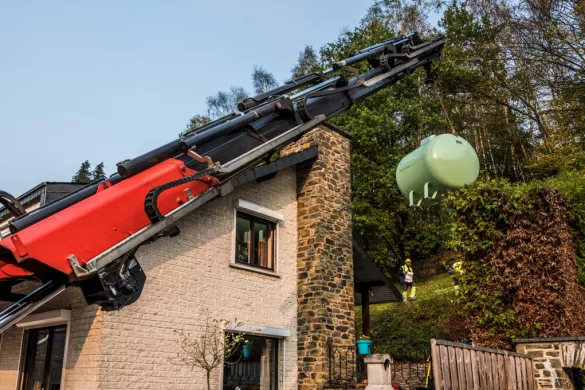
{"x": 405, "y": 329}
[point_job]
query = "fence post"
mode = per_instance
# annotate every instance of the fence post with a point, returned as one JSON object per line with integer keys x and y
{"x": 436, "y": 364}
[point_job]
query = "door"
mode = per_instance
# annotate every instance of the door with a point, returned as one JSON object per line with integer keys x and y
{"x": 43, "y": 364}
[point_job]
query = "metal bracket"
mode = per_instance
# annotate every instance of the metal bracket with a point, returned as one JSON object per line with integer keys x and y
{"x": 77, "y": 268}
{"x": 256, "y": 135}
{"x": 266, "y": 147}
{"x": 204, "y": 159}
{"x": 411, "y": 199}
{"x": 189, "y": 194}
{"x": 426, "y": 195}
{"x": 353, "y": 71}
{"x": 385, "y": 63}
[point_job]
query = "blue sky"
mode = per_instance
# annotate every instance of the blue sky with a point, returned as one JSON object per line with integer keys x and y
{"x": 109, "y": 80}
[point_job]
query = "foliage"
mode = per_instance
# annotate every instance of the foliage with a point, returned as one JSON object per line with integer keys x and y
{"x": 384, "y": 128}
{"x": 262, "y": 80}
{"x": 526, "y": 60}
{"x": 224, "y": 102}
{"x": 195, "y": 122}
{"x": 572, "y": 185}
{"x": 307, "y": 62}
{"x": 86, "y": 175}
{"x": 210, "y": 348}
{"x": 98, "y": 172}
{"x": 83, "y": 175}
{"x": 521, "y": 269}
{"x": 404, "y": 329}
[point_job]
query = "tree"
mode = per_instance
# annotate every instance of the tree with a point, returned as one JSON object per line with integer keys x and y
{"x": 224, "y": 102}
{"x": 195, "y": 122}
{"x": 307, "y": 62}
{"x": 98, "y": 172}
{"x": 212, "y": 347}
{"x": 83, "y": 175}
{"x": 262, "y": 80}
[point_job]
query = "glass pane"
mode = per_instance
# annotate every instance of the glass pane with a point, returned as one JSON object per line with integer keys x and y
{"x": 254, "y": 366}
{"x": 36, "y": 373}
{"x": 57, "y": 355}
{"x": 242, "y": 238}
{"x": 262, "y": 250}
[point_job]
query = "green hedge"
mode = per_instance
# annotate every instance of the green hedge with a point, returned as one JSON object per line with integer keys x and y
{"x": 524, "y": 247}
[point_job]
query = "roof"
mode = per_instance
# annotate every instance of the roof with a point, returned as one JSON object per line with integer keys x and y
{"x": 45, "y": 193}
{"x": 368, "y": 275}
{"x": 337, "y": 129}
{"x": 268, "y": 171}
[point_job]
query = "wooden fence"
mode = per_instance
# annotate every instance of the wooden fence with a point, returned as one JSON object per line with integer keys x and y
{"x": 463, "y": 367}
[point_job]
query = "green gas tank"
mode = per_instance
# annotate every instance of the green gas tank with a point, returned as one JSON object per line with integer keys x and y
{"x": 440, "y": 163}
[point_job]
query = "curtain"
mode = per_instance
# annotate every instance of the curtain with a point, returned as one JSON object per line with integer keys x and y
{"x": 265, "y": 360}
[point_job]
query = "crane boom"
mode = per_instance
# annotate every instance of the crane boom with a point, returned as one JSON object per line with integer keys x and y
{"x": 90, "y": 237}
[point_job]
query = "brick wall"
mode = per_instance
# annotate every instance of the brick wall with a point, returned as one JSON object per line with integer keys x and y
{"x": 550, "y": 356}
{"x": 10, "y": 345}
{"x": 134, "y": 347}
{"x": 325, "y": 263}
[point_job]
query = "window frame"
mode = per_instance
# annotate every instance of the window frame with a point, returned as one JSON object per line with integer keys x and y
{"x": 30, "y": 353}
{"x": 281, "y": 334}
{"x": 49, "y": 319}
{"x": 262, "y": 214}
{"x": 278, "y": 353}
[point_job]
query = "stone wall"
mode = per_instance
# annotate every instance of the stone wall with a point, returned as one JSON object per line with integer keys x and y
{"x": 324, "y": 261}
{"x": 551, "y": 356}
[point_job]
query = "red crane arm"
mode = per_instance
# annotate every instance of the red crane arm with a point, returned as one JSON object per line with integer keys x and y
{"x": 95, "y": 224}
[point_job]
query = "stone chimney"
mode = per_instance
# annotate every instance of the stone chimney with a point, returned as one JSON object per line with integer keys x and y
{"x": 324, "y": 258}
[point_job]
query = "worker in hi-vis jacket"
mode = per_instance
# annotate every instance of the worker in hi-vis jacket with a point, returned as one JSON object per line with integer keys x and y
{"x": 456, "y": 272}
{"x": 407, "y": 281}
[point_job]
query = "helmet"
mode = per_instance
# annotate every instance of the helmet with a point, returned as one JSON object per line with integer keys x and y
{"x": 408, "y": 261}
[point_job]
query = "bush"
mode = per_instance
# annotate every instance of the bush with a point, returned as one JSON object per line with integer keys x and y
{"x": 524, "y": 251}
{"x": 405, "y": 330}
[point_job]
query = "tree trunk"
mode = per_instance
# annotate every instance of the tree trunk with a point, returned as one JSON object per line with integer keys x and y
{"x": 208, "y": 380}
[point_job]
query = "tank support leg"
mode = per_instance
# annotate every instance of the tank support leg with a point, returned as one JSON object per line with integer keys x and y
{"x": 427, "y": 192}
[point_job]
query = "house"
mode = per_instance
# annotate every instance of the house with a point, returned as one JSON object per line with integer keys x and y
{"x": 276, "y": 254}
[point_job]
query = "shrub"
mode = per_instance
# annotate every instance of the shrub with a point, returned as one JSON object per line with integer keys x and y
{"x": 524, "y": 251}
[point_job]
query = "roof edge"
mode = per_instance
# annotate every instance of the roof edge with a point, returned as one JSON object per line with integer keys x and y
{"x": 337, "y": 129}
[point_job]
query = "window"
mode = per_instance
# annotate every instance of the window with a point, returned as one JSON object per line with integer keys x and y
{"x": 43, "y": 358}
{"x": 254, "y": 365}
{"x": 255, "y": 242}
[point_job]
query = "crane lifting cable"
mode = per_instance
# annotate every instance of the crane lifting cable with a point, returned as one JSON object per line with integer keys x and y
{"x": 89, "y": 238}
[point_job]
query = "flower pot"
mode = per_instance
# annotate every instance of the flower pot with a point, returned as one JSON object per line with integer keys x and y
{"x": 246, "y": 351}
{"x": 364, "y": 347}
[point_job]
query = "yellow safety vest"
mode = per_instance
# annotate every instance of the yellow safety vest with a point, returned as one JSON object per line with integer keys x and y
{"x": 458, "y": 267}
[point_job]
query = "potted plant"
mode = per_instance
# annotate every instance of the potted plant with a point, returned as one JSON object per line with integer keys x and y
{"x": 364, "y": 345}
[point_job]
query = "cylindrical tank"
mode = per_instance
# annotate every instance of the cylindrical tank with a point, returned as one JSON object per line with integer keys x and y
{"x": 440, "y": 163}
